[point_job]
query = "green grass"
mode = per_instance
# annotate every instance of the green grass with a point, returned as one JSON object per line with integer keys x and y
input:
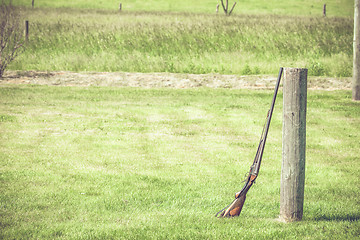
{"x": 129, "y": 163}
{"x": 104, "y": 40}
{"x": 279, "y": 7}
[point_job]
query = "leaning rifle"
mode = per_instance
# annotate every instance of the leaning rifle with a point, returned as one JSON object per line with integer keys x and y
{"x": 234, "y": 208}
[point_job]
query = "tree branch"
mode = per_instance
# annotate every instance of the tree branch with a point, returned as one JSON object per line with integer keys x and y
{"x": 232, "y": 8}
{"x": 225, "y": 9}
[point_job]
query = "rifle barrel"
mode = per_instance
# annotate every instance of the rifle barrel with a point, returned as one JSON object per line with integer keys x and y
{"x": 267, "y": 126}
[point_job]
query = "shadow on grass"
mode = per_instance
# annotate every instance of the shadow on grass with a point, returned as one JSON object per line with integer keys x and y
{"x": 348, "y": 218}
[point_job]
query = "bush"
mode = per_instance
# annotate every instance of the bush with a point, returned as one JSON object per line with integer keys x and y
{"x": 317, "y": 68}
{"x": 11, "y": 37}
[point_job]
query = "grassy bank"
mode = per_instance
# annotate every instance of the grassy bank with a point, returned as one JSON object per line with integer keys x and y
{"x": 103, "y": 40}
{"x": 97, "y": 163}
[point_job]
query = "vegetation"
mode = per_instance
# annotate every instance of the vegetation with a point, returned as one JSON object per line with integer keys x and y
{"x": 225, "y": 7}
{"x": 183, "y": 36}
{"x": 11, "y": 35}
{"x": 103, "y": 40}
{"x": 337, "y": 8}
{"x": 128, "y": 163}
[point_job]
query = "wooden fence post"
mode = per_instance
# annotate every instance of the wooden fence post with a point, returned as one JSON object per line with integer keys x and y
{"x": 32, "y": 3}
{"x": 294, "y": 143}
{"x": 324, "y": 10}
{"x": 356, "y": 57}
{"x": 120, "y": 6}
{"x": 26, "y": 30}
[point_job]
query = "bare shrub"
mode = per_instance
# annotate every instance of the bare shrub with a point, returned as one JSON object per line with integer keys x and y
{"x": 12, "y": 38}
{"x": 226, "y": 7}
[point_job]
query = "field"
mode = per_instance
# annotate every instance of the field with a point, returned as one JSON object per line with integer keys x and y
{"x": 279, "y": 7}
{"x": 97, "y": 159}
{"x": 246, "y": 43}
{"x": 132, "y": 163}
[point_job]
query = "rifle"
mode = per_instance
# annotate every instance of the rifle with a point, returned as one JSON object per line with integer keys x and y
{"x": 234, "y": 208}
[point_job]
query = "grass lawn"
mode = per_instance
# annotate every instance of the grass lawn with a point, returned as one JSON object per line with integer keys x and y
{"x": 130, "y": 163}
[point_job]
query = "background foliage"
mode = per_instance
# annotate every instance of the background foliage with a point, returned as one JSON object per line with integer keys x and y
{"x": 279, "y": 7}
{"x": 176, "y": 40}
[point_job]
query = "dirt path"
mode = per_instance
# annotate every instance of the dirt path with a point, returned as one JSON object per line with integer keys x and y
{"x": 161, "y": 80}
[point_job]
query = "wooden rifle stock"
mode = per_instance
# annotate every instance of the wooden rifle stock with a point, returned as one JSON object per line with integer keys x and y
{"x": 234, "y": 208}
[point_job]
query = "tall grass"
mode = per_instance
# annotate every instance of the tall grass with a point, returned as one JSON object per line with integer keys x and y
{"x": 99, "y": 40}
